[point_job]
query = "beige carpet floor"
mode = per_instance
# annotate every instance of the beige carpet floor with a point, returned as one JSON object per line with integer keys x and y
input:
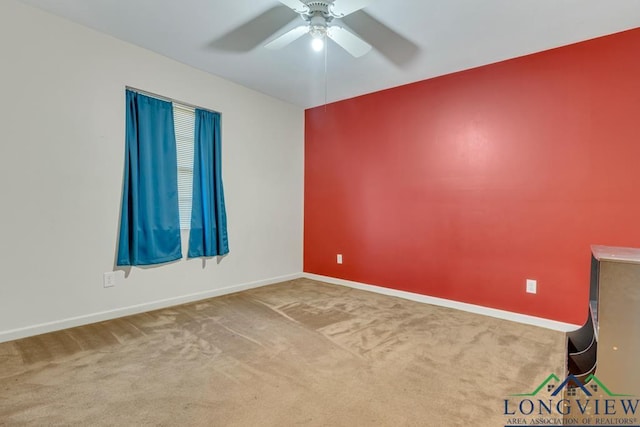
{"x": 299, "y": 353}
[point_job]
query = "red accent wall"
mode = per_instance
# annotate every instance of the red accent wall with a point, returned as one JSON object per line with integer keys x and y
{"x": 463, "y": 186}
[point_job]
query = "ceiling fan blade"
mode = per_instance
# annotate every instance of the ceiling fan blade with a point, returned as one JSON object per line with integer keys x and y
{"x": 296, "y": 5}
{"x": 348, "y": 41}
{"x": 345, "y": 7}
{"x": 288, "y": 37}
{"x": 254, "y": 32}
{"x": 396, "y": 48}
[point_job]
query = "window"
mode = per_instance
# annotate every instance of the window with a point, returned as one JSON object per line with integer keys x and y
{"x": 184, "y": 118}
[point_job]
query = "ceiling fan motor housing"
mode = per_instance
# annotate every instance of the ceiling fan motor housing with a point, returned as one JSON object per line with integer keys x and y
{"x": 318, "y": 16}
{"x": 319, "y": 6}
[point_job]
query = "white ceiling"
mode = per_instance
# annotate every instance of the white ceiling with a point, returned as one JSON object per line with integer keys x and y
{"x": 413, "y": 39}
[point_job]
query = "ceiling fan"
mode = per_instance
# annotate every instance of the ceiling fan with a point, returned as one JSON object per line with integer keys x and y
{"x": 319, "y": 18}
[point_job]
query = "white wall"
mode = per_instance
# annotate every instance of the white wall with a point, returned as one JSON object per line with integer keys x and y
{"x": 61, "y": 164}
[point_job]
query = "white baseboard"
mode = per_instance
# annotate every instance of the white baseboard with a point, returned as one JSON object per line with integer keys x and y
{"x": 72, "y": 322}
{"x": 477, "y": 309}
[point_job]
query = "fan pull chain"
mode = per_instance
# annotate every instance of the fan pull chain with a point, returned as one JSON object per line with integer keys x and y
{"x": 326, "y": 79}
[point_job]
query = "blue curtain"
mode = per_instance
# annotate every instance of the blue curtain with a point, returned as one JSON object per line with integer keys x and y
{"x": 149, "y": 222}
{"x": 208, "y": 234}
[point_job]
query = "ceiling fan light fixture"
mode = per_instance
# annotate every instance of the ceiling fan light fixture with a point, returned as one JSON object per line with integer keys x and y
{"x": 317, "y": 44}
{"x": 318, "y": 33}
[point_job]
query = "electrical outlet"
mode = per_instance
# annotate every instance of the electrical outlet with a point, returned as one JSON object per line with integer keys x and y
{"x": 109, "y": 279}
{"x": 339, "y": 258}
{"x": 532, "y": 286}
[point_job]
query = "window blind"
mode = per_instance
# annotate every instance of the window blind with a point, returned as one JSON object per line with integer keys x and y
{"x": 184, "y": 122}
